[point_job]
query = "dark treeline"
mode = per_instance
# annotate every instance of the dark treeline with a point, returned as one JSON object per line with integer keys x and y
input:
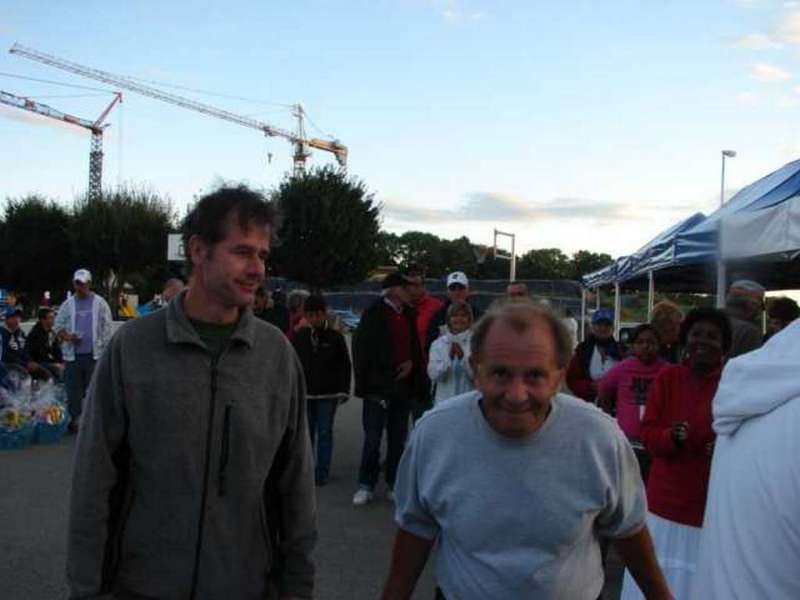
{"x": 330, "y": 237}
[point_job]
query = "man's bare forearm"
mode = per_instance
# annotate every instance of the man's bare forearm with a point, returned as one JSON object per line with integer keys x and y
{"x": 408, "y": 560}
{"x": 640, "y": 557}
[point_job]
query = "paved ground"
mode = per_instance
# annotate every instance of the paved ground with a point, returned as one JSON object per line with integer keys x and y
{"x": 353, "y": 553}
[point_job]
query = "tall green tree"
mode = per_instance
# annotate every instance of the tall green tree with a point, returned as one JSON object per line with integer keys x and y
{"x": 330, "y": 234}
{"x": 584, "y": 262}
{"x": 122, "y": 237}
{"x": 35, "y": 245}
{"x": 544, "y": 263}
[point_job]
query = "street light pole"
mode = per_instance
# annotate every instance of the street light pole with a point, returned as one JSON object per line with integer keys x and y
{"x": 721, "y": 283}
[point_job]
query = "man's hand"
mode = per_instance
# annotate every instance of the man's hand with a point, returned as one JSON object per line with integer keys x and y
{"x": 403, "y": 370}
{"x": 456, "y": 351}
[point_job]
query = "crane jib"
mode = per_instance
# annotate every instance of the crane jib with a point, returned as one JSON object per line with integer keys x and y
{"x": 299, "y": 140}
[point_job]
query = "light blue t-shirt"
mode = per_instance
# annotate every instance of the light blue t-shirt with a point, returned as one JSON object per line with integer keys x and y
{"x": 519, "y": 518}
{"x": 83, "y": 324}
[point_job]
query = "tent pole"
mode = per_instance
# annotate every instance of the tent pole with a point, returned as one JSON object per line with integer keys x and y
{"x": 721, "y": 284}
{"x": 617, "y": 306}
{"x": 651, "y": 292}
{"x": 582, "y": 332}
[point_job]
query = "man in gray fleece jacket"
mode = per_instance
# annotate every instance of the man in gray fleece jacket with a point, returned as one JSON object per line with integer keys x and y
{"x": 193, "y": 476}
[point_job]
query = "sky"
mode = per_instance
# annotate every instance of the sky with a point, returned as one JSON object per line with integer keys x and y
{"x": 576, "y": 125}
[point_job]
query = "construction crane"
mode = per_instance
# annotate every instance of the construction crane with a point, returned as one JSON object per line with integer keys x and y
{"x": 96, "y": 127}
{"x": 298, "y": 139}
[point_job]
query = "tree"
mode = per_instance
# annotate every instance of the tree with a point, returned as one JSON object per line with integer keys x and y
{"x": 544, "y": 263}
{"x": 330, "y": 233}
{"x": 122, "y": 237}
{"x": 35, "y": 246}
{"x": 389, "y": 251}
{"x": 584, "y": 262}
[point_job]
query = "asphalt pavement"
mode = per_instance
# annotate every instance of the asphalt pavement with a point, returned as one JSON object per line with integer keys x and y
{"x": 354, "y": 542}
{"x": 352, "y": 555}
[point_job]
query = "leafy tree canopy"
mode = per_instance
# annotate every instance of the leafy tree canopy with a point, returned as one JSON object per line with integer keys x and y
{"x": 330, "y": 234}
{"x": 35, "y": 244}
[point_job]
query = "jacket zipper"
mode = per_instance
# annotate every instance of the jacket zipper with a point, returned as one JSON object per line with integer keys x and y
{"x": 209, "y": 437}
{"x": 223, "y": 460}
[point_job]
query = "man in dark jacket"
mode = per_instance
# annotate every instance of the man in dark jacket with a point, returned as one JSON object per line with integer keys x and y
{"x": 326, "y": 365}
{"x": 14, "y": 341}
{"x": 457, "y": 291}
{"x": 594, "y": 356}
{"x": 193, "y": 473}
{"x": 745, "y": 305}
{"x": 387, "y": 360}
{"x": 43, "y": 345}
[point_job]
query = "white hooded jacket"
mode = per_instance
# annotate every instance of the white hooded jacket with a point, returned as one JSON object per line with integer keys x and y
{"x": 450, "y": 376}
{"x": 750, "y": 544}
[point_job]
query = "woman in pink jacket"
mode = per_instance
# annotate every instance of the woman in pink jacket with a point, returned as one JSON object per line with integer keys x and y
{"x": 623, "y": 390}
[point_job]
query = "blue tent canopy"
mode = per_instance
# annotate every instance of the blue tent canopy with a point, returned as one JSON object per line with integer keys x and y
{"x": 659, "y": 252}
{"x": 656, "y": 253}
{"x": 685, "y": 254}
{"x": 699, "y": 243}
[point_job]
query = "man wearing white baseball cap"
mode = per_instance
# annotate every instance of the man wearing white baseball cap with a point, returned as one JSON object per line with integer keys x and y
{"x": 83, "y": 325}
{"x": 457, "y": 291}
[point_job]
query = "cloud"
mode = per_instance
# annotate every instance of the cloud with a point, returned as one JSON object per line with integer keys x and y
{"x": 769, "y": 73}
{"x": 497, "y": 207}
{"x": 747, "y": 98}
{"x": 789, "y": 30}
{"x": 23, "y": 116}
{"x": 454, "y": 12}
{"x": 757, "y": 41}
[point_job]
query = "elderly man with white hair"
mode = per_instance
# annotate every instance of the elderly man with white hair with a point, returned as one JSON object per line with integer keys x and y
{"x": 515, "y": 483}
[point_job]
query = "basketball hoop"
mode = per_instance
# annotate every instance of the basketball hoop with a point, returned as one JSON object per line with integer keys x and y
{"x": 481, "y": 252}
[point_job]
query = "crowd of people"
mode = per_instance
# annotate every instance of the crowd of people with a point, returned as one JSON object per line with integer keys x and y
{"x": 519, "y": 455}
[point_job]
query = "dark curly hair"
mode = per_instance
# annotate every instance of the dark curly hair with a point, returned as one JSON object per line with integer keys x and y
{"x": 209, "y": 216}
{"x": 714, "y": 316}
{"x": 645, "y": 327}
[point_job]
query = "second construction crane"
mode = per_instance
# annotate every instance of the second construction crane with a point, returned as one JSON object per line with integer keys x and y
{"x": 96, "y": 128}
{"x": 299, "y": 141}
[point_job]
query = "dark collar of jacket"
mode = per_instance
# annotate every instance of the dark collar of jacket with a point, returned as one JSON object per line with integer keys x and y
{"x": 181, "y": 331}
{"x": 585, "y": 350}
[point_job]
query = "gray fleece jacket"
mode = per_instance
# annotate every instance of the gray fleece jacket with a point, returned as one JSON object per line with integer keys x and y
{"x": 193, "y": 479}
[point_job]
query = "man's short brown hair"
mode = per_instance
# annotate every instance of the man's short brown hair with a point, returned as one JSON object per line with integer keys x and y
{"x": 519, "y": 314}
{"x": 208, "y": 218}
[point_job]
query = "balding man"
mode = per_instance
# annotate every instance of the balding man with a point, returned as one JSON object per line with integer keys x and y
{"x": 744, "y": 305}
{"x": 515, "y": 482}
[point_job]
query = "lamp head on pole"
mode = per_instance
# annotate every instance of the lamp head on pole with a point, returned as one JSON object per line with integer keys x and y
{"x": 729, "y": 153}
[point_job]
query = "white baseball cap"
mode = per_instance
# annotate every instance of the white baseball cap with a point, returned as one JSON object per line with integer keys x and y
{"x": 457, "y": 277}
{"x": 82, "y": 275}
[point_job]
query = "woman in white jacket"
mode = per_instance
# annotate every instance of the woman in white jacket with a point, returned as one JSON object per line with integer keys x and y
{"x": 448, "y": 364}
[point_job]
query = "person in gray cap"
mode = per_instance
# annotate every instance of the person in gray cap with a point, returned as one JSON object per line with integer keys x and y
{"x": 83, "y": 325}
{"x": 744, "y": 305}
